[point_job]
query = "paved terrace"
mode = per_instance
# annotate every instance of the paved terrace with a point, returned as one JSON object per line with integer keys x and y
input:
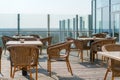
{"x": 81, "y": 71}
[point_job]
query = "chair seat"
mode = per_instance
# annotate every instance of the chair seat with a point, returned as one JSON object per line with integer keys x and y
{"x": 60, "y": 58}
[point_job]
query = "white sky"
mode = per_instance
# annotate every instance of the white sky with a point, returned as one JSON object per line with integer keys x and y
{"x": 46, "y": 6}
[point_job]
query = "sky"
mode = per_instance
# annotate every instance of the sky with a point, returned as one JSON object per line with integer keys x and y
{"x": 46, "y": 6}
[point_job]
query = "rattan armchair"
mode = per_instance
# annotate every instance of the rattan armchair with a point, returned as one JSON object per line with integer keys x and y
{"x": 23, "y": 57}
{"x": 6, "y": 39}
{"x": 97, "y": 45}
{"x": 113, "y": 65}
{"x": 59, "y": 52}
{"x": 46, "y": 42}
{"x": 78, "y": 46}
{"x": 72, "y": 47}
{"x": 100, "y": 35}
{"x": 86, "y": 44}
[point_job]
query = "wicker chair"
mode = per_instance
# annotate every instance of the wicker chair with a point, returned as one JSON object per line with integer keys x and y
{"x": 86, "y": 44}
{"x": 46, "y": 42}
{"x": 113, "y": 65}
{"x": 73, "y": 44}
{"x": 23, "y": 57}
{"x": 59, "y": 52}
{"x": 97, "y": 45}
{"x": 6, "y": 39}
{"x": 78, "y": 46}
{"x": 100, "y": 35}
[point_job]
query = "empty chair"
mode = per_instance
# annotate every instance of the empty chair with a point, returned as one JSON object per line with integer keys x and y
{"x": 100, "y": 35}
{"x": 97, "y": 45}
{"x": 59, "y": 52}
{"x": 78, "y": 46}
{"x": 46, "y": 42}
{"x": 86, "y": 43}
{"x": 73, "y": 44}
{"x": 113, "y": 65}
{"x": 23, "y": 57}
{"x": 6, "y": 39}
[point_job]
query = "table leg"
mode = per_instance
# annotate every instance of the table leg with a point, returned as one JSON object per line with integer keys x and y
{"x": 90, "y": 50}
{"x": 24, "y": 72}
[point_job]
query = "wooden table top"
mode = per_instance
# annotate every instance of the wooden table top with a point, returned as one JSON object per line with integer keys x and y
{"x": 38, "y": 43}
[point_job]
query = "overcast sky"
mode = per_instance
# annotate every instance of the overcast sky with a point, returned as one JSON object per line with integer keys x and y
{"x": 46, "y": 6}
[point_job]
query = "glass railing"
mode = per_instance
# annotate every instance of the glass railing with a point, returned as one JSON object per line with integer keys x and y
{"x": 57, "y": 35}
{"x": 57, "y": 26}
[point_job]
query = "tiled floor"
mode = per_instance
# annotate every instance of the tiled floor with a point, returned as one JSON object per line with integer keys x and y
{"x": 81, "y": 71}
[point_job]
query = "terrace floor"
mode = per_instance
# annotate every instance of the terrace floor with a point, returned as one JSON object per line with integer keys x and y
{"x": 81, "y": 71}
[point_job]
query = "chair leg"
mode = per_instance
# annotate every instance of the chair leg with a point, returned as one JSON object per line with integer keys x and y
{"x": 14, "y": 72}
{"x": 30, "y": 73}
{"x": 106, "y": 74}
{"x": 40, "y": 50}
{"x": 36, "y": 72}
{"x": 68, "y": 66}
{"x": 49, "y": 67}
{"x": 103, "y": 59}
{"x": 5, "y": 50}
{"x": 97, "y": 56}
{"x": 87, "y": 52}
{"x": 10, "y": 71}
{"x": 0, "y": 68}
{"x": 93, "y": 56}
{"x": 112, "y": 76}
{"x": 0, "y": 65}
{"x": 67, "y": 61}
{"x": 81, "y": 56}
{"x": 78, "y": 54}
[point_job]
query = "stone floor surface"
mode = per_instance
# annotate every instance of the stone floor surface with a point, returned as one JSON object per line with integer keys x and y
{"x": 81, "y": 70}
